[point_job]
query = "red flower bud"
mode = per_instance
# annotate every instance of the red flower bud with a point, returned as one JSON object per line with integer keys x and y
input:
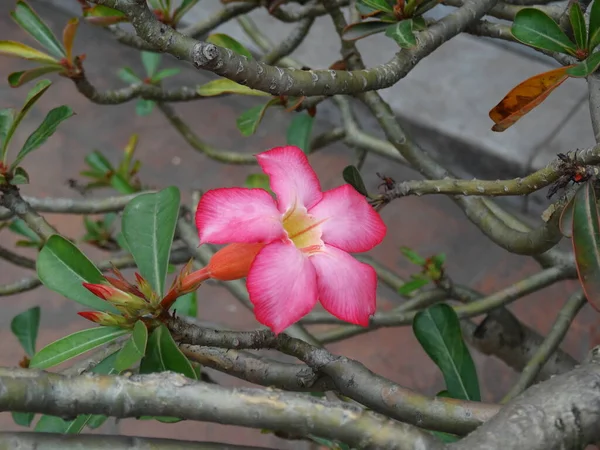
{"x": 105, "y": 319}
{"x": 233, "y": 262}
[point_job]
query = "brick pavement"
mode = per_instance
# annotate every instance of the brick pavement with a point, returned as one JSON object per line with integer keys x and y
{"x": 427, "y": 224}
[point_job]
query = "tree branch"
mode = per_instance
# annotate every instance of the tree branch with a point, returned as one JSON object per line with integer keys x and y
{"x": 560, "y": 413}
{"x": 12, "y": 200}
{"x": 280, "y": 81}
{"x": 37, "y": 441}
{"x": 170, "y": 394}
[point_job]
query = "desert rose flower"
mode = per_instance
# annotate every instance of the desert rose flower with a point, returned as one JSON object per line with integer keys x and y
{"x": 294, "y": 250}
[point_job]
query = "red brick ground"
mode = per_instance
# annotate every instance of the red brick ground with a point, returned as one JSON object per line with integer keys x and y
{"x": 427, "y": 224}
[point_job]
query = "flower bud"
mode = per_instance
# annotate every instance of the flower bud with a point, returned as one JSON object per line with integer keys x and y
{"x": 233, "y": 262}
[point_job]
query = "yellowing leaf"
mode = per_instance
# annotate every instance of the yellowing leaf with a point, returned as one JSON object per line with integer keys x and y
{"x": 69, "y": 36}
{"x": 226, "y": 86}
{"x": 12, "y": 48}
{"x": 526, "y": 96}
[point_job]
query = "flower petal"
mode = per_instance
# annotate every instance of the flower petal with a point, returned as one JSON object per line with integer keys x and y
{"x": 292, "y": 178}
{"x": 238, "y": 215}
{"x": 282, "y": 285}
{"x": 349, "y": 222}
{"x": 347, "y": 287}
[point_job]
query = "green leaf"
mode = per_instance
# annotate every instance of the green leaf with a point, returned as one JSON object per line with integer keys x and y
{"x": 578, "y": 25}
{"x": 128, "y": 76}
{"x": 23, "y": 418}
{"x": 586, "y": 242}
{"x": 20, "y": 227}
{"x": 32, "y": 96}
{"x": 438, "y": 331}
{"x": 413, "y": 256}
{"x": 182, "y": 9}
{"x": 222, "y": 86}
{"x": 352, "y": 176}
{"x": 144, "y": 107}
{"x": 74, "y": 345}
{"x": 359, "y": 30}
{"x": 17, "y": 79}
{"x": 7, "y": 118}
{"x": 134, "y": 349}
{"x": 248, "y": 121}
{"x": 535, "y": 28}
{"x": 19, "y": 50}
{"x": 416, "y": 282}
{"x": 44, "y": 131}
{"x": 62, "y": 268}
{"x": 298, "y": 133}
{"x": 98, "y": 162}
{"x": 20, "y": 177}
{"x": 187, "y": 305}
{"x": 165, "y": 73}
{"x": 27, "y": 18}
{"x": 163, "y": 354}
{"x": 258, "y": 180}
{"x": 439, "y": 260}
{"x": 25, "y": 327}
{"x": 223, "y": 40}
{"x": 148, "y": 226}
{"x": 151, "y": 61}
{"x": 594, "y": 32}
{"x": 402, "y": 33}
{"x": 586, "y": 67}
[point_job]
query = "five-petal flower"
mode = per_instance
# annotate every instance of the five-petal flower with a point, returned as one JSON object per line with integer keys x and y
{"x": 307, "y": 236}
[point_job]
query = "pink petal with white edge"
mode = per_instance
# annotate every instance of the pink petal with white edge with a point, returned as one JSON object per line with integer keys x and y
{"x": 238, "y": 215}
{"x": 347, "y": 287}
{"x": 282, "y": 285}
{"x": 292, "y": 178}
{"x": 349, "y": 222}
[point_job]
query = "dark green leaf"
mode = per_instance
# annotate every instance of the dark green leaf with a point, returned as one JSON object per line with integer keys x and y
{"x": 586, "y": 242}
{"x": 27, "y": 18}
{"x": 22, "y": 418}
{"x": 134, "y": 349}
{"x": 594, "y": 32}
{"x": 20, "y": 177}
{"x": 248, "y": 121}
{"x": 360, "y": 30}
{"x": 20, "y": 227}
{"x": 128, "y": 76}
{"x": 148, "y": 226}
{"x": 183, "y": 8}
{"x": 416, "y": 282}
{"x": 162, "y": 354}
{"x": 17, "y": 79}
{"x": 413, "y": 256}
{"x": 165, "y": 73}
{"x": 402, "y": 33}
{"x": 62, "y": 268}
{"x": 535, "y": 28}
{"x": 438, "y": 331}
{"x": 7, "y": 118}
{"x": 151, "y": 61}
{"x": 566, "y": 220}
{"x": 586, "y": 67}
{"x": 223, "y": 40}
{"x": 44, "y": 131}
{"x": 144, "y": 107}
{"x": 187, "y": 305}
{"x": 74, "y": 345}
{"x": 25, "y": 327}
{"x": 298, "y": 133}
{"x": 353, "y": 178}
{"x": 578, "y": 25}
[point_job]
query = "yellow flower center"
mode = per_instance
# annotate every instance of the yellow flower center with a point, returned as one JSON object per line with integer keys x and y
{"x": 303, "y": 229}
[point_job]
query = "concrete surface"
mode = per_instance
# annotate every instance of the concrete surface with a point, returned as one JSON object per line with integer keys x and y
{"x": 428, "y": 224}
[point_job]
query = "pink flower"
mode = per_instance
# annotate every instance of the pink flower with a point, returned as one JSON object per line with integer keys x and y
{"x": 307, "y": 236}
